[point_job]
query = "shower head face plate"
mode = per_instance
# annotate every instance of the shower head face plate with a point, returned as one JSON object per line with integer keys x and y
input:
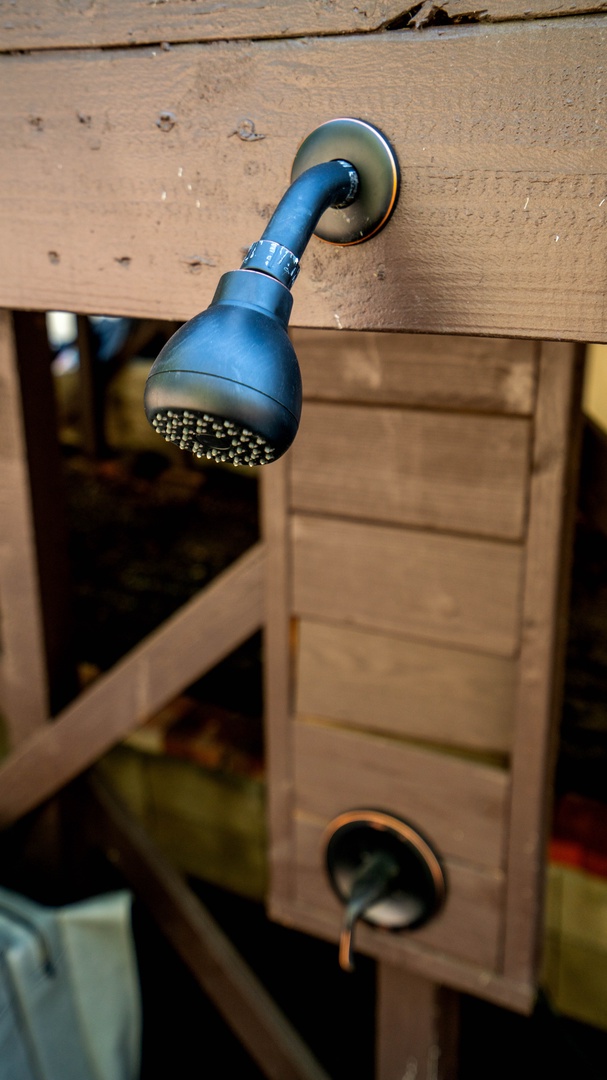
{"x": 227, "y": 385}
{"x": 376, "y": 164}
{"x": 212, "y": 437}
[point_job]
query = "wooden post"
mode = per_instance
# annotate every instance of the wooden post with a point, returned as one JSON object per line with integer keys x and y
{"x": 45, "y": 482}
{"x": 23, "y": 678}
{"x": 417, "y": 1027}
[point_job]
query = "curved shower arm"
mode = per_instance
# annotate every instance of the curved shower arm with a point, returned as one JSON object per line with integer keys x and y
{"x": 227, "y": 385}
{"x": 283, "y": 241}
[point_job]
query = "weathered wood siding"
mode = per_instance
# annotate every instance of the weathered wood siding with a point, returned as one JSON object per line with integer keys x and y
{"x": 414, "y": 680}
{"x": 51, "y": 24}
{"x": 131, "y": 182}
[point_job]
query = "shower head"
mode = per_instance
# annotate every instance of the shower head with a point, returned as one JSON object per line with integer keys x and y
{"x": 227, "y": 385}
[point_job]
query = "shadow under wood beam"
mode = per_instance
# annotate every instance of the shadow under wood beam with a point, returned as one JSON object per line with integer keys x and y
{"x": 207, "y": 629}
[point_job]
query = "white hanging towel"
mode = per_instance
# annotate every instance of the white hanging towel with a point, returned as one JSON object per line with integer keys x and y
{"x": 70, "y": 1006}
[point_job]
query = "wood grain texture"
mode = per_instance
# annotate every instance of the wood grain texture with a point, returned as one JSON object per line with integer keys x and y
{"x": 45, "y": 481}
{"x": 446, "y": 589}
{"x": 468, "y": 927}
{"x": 479, "y": 374}
{"x": 23, "y": 672}
{"x": 50, "y": 24}
{"x": 462, "y": 473}
{"x": 155, "y": 671}
{"x": 538, "y": 697}
{"x": 278, "y": 677}
{"x": 458, "y": 804}
{"x": 410, "y": 689}
{"x": 219, "y": 969}
{"x": 126, "y": 191}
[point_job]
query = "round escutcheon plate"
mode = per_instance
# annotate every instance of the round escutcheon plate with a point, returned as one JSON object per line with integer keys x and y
{"x": 365, "y": 147}
{"x": 418, "y": 890}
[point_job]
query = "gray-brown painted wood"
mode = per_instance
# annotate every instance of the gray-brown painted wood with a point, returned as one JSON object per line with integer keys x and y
{"x": 469, "y": 928}
{"x": 40, "y": 24}
{"x": 371, "y": 675}
{"x": 491, "y": 375}
{"x": 196, "y": 638}
{"x": 23, "y": 671}
{"x": 337, "y": 770}
{"x": 483, "y": 982}
{"x": 47, "y": 24}
{"x": 458, "y": 473}
{"x": 417, "y": 1027}
{"x": 127, "y": 188}
{"x": 278, "y": 683}
{"x": 541, "y": 669}
{"x": 411, "y": 689}
{"x": 447, "y": 589}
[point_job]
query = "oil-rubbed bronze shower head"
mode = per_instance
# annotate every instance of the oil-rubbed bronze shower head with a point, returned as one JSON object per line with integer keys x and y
{"x": 227, "y": 385}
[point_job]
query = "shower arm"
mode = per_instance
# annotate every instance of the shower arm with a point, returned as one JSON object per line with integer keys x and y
{"x": 227, "y": 385}
{"x": 278, "y": 252}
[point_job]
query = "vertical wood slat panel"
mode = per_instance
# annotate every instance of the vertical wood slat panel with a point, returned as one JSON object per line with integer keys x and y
{"x": 187, "y": 645}
{"x": 23, "y": 676}
{"x": 553, "y": 484}
{"x": 278, "y": 680}
{"x": 417, "y": 1027}
{"x": 48, "y": 500}
{"x": 448, "y": 589}
{"x": 433, "y": 470}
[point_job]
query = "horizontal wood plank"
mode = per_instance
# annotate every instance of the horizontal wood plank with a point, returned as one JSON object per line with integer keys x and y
{"x": 376, "y": 682}
{"x": 434, "y": 470}
{"x": 444, "y": 969}
{"x": 468, "y": 927}
{"x": 460, "y": 805}
{"x": 446, "y": 589}
{"x": 480, "y": 374}
{"x": 130, "y": 180}
{"x": 50, "y": 24}
{"x": 197, "y": 637}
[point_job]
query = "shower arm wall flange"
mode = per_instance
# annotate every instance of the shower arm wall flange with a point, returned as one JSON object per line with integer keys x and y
{"x": 344, "y": 187}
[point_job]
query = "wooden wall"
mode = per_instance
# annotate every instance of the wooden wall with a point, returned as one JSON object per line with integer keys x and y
{"x": 133, "y": 177}
{"x": 411, "y": 507}
{"x": 414, "y": 537}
